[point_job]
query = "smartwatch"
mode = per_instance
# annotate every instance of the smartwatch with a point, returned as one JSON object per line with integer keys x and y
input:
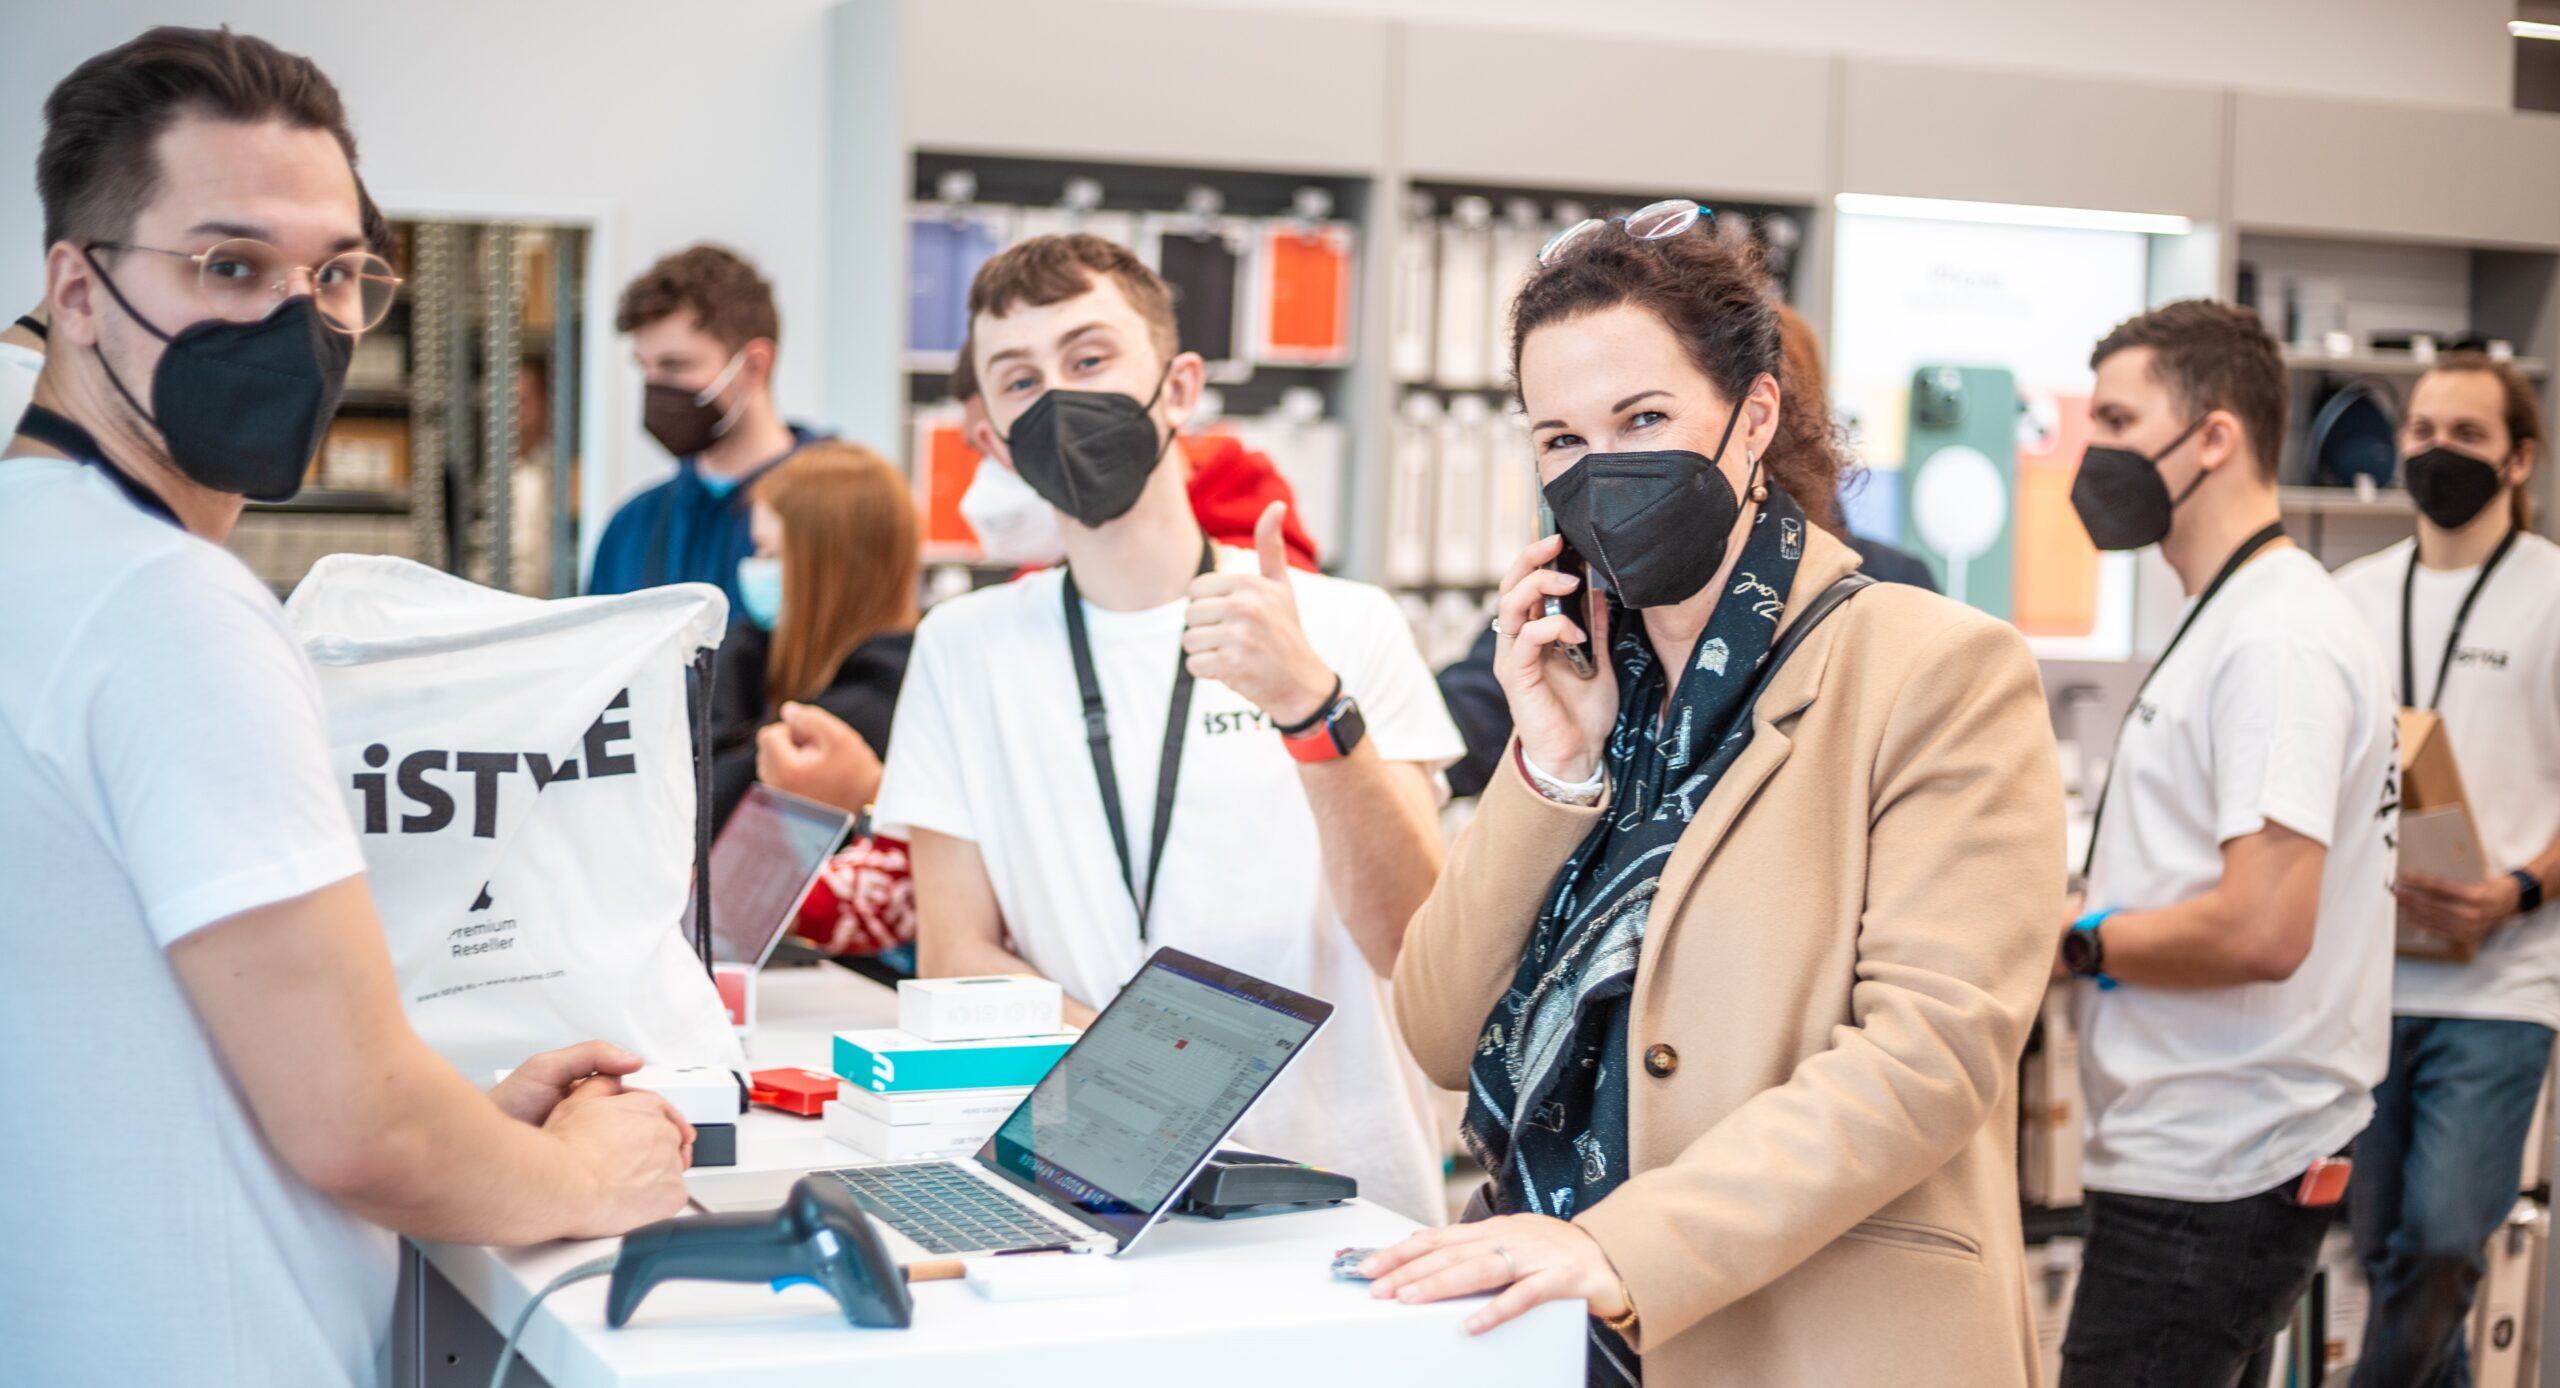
{"x": 1331, "y": 733}
{"x": 2528, "y": 891}
{"x": 2084, "y": 952}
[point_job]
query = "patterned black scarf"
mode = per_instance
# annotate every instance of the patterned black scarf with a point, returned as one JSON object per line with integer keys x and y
{"x": 1547, "y": 1102}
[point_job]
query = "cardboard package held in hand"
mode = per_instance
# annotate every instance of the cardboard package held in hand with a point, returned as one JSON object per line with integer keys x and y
{"x": 2438, "y": 836}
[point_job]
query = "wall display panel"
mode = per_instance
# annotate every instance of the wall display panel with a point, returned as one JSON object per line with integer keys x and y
{"x": 1979, "y": 300}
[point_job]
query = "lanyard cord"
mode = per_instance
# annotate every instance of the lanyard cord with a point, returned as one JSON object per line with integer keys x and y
{"x": 2248, "y": 550}
{"x": 52, "y": 430}
{"x": 2452, "y": 638}
{"x": 1097, "y": 737}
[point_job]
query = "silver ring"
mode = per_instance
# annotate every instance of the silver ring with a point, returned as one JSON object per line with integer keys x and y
{"x": 1498, "y": 631}
{"x": 1507, "y": 1265}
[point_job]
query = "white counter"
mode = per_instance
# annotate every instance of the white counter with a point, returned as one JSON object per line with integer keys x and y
{"x": 1236, "y": 1303}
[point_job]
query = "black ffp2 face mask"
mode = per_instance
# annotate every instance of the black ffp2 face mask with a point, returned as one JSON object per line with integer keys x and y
{"x": 1654, "y": 524}
{"x": 2450, "y": 487}
{"x": 2123, "y": 501}
{"x": 242, "y": 407}
{"x": 685, "y": 421}
{"x": 1089, "y": 452}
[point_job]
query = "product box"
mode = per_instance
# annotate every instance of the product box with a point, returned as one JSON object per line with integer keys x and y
{"x": 897, "y": 1062}
{"x": 978, "y": 1009}
{"x": 941, "y": 1106}
{"x": 2437, "y": 833}
{"x": 2053, "y": 1279}
{"x": 2051, "y": 1113}
{"x": 890, "y": 1142}
{"x": 2345, "y": 1301}
{"x": 2506, "y": 1321}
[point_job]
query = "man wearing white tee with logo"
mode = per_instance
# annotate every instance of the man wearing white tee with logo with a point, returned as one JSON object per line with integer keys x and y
{"x": 1166, "y": 742}
{"x": 2466, "y": 610}
{"x": 2235, "y": 1013}
{"x": 220, "y": 1113}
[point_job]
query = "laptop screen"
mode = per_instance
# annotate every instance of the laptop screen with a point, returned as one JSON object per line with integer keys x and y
{"x": 766, "y": 857}
{"x": 1114, "y": 1131}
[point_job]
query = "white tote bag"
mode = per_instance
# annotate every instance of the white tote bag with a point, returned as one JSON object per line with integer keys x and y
{"x": 521, "y": 775}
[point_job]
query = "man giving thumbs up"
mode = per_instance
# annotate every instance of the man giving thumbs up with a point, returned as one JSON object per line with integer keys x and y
{"x": 1169, "y": 742}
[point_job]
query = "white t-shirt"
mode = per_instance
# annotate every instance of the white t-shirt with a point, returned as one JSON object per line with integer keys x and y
{"x": 991, "y": 748}
{"x": 162, "y": 767}
{"x": 19, "y": 367}
{"x": 2275, "y": 708}
{"x": 2501, "y": 708}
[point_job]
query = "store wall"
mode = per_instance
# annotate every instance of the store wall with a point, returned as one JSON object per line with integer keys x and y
{"x": 2453, "y": 51}
{"x": 666, "y": 121}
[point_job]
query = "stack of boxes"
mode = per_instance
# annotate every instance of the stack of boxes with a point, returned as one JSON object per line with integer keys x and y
{"x": 964, "y": 1054}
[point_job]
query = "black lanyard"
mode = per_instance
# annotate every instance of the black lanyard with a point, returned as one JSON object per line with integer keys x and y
{"x": 54, "y": 431}
{"x": 1097, "y": 738}
{"x": 2248, "y": 550}
{"x": 2461, "y": 618}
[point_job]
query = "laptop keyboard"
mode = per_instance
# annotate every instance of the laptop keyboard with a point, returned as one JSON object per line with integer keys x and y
{"x": 947, "y": 1210}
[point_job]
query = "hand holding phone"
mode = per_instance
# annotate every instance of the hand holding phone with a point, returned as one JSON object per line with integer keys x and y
{"x": 1563, "y": 695}
{"x": 1577, "y": 654}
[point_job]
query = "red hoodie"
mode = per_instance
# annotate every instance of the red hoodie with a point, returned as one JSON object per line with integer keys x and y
{"x": 1231, "y": 485}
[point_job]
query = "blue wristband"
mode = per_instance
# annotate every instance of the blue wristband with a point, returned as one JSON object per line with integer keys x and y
{"x": 2092, "y": 921}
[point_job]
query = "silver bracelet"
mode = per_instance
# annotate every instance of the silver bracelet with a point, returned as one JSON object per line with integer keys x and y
{"x": 1582, "y": 794}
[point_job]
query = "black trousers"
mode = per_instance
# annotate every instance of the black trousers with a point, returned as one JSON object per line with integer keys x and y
{"x": 2186, "y": 1294}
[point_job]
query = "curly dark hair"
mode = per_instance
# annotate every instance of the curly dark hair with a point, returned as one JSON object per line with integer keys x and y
{"x": 1715, "y": 296}
{"x": 722, "y": 291}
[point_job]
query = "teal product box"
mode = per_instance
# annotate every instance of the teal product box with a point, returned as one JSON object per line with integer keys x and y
{"x": 889, "y": 1061}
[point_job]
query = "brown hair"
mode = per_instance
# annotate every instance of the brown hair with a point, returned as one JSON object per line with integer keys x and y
{"x": 98, "y": 168}
{"x": 2212, "y": 357}
{"x": 1046, "y": 270}
{"x": 726, "y": 296}
{"x": 849, "y": 549}
{"x": 964, "y": 372}
{"x": 1716, "y": 298}
{"x": 2523, "y": 412}
{"x": 1805, "y": 390}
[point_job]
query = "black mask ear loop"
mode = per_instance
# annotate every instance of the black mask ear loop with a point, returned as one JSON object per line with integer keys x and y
{"x": 2183, "y": 435}
{"x": 87, "y": 254}
{"x": 1735, "y": 418}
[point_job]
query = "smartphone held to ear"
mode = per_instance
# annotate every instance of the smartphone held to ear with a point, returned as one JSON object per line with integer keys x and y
{"x": 1576, "y": 653}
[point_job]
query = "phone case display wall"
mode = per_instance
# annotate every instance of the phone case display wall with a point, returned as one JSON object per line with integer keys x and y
{"x": 2360, "y": 322}
{"x": 1959, "y": 364}
{"x": 1264, "y": 270}
{"x": 1463, "y": 494}
{"x": 477, "y": 359}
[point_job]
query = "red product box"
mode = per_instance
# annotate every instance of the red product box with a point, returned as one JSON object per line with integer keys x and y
{"x": 804, "y": 1092}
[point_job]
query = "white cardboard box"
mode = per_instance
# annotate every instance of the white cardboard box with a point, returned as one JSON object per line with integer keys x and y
{"x": 2053, "y": 1278}
{"x": 890, "y": 1142}
{"x": 2505, "y": 1323}
{"x": 2349, "y": 1300}
{"x": 2051, "y": 1115}
{"x": 980, "y": 1008}
{"x": 954, "y": 1107}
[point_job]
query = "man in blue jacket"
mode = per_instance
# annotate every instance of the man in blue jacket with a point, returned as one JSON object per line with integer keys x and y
{"x": 704, "y": 332}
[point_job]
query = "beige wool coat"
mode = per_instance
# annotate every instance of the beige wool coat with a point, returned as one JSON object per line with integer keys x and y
{"x": 1844, "y": 956}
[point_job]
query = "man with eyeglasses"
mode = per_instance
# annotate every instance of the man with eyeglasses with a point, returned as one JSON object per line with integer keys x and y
{"x": 218, "y": 1112}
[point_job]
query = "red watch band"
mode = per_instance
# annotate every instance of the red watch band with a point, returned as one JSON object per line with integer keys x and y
{"x": 1315, "y": 744}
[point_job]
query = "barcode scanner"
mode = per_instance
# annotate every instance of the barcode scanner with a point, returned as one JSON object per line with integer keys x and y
{"x": 818, "y": 1236}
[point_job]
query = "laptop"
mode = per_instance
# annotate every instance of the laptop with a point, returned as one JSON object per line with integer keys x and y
{"x": 763, "y": 864}
{"x": 1108, "y": 1140}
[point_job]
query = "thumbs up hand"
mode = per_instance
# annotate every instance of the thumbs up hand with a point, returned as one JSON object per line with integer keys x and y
{"x": 1242, "y": 630}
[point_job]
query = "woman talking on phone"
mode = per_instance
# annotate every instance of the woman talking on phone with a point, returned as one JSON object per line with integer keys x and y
{"x": 1736, "y": 960}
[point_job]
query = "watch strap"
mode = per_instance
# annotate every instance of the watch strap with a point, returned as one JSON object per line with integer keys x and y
{"x": 2528, "y": 891}
{"x": 2088, "y": 924}
{"x": 1323, "y": 713}
{"x": 1336, "y": 731}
